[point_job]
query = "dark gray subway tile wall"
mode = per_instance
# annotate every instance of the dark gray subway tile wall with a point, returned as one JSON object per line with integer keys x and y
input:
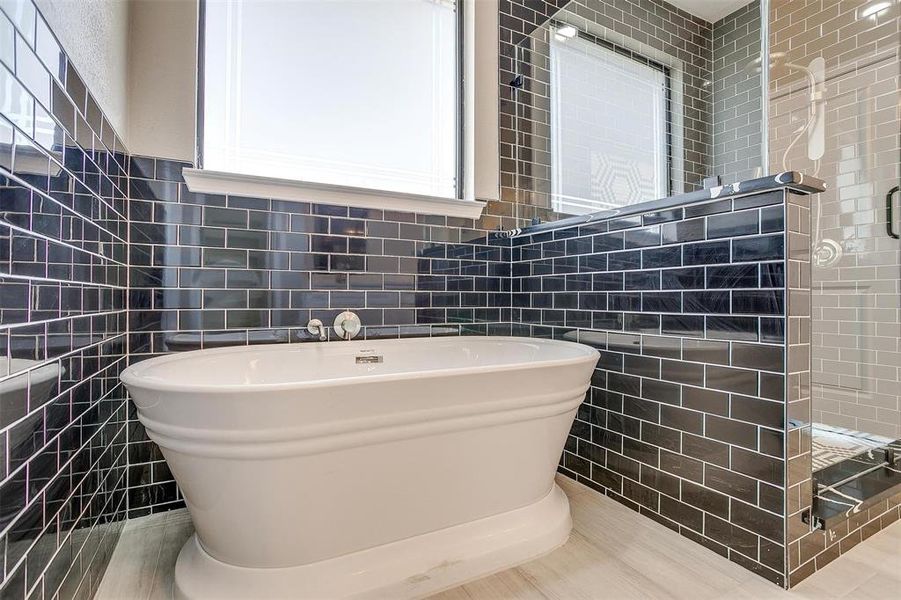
{"x": 212, "y": 270}
{"x": 685, "y": 420}
{"x": 679, "y": 424}
{"x": 207, "y": 263}
{"x": 737, "y": 92}
{"x": 63, "y": 309}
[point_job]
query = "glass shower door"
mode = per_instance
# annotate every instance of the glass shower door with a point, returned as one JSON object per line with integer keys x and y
{"x": 834, "y": 114}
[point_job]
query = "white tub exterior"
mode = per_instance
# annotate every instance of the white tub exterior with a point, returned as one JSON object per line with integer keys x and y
{"x": 305, "y": 470}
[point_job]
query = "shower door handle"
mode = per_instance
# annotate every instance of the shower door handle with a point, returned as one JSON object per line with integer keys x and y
{"x": 889, "y": 220}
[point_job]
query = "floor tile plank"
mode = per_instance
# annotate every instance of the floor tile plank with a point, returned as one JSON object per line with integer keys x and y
{"x": 613, "y": 553}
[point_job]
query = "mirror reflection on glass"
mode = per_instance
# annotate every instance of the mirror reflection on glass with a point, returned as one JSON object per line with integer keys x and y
{"x": 615, "y": 102}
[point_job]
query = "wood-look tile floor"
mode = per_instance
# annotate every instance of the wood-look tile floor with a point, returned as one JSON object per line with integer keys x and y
{"x": 613, "y": 553}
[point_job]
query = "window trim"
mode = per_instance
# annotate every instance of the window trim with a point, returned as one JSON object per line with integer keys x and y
{"x": 206, "y": 181}
{"x": 477, "y": 157}
{"x": 199, "y": 95}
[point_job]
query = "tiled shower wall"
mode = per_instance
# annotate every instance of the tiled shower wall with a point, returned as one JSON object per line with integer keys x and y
{"x": 662, "y": 31}
{"x": 686, "y": 418}
{"x": 737, "y": 94}
{"x": 857, "y": 294}
{"x": 63, "y": 282}
{"x": 524, "y": 178}
{"x": 856, "y": 291}
{"x": 722, "y": 101}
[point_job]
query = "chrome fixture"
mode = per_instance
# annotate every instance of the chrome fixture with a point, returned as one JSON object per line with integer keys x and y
{"x": 347, "y": 325}
{"x": 316, "y": 327}
{"x": 368, "y": 356}
{"x": 369, "y": 359}
{"x": 827, "y": 252}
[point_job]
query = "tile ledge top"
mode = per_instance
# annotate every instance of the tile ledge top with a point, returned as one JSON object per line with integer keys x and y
{"x": 792, "y": 180}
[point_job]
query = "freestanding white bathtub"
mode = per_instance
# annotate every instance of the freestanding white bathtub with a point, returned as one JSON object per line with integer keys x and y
{"x": 392, "y": 468}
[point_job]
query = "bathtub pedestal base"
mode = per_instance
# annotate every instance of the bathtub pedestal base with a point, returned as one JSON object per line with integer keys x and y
{"x": 410, "y": 568}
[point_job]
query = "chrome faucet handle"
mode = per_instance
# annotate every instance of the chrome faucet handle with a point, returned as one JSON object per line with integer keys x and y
{"x": 347, "y": 325}
{"x": 316, "y": 327}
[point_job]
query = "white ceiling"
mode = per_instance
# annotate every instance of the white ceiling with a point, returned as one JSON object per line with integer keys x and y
{"x": 709, "y": 10}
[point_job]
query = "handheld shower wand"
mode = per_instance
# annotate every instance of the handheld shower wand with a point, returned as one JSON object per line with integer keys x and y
{"x": 826, "y": 252}
{"x": 815, "y": 125}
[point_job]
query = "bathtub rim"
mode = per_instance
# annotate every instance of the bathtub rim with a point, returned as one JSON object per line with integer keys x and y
{"x": 333, "y": 436}
{"x": 132, "y": 375}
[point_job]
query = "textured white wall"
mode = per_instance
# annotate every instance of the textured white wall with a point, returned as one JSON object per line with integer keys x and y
{"x": 138, "y": 59}
{"x": 485, "y": 130}
{"x": 94, "y": 33}
{"x": 161, "y": 88}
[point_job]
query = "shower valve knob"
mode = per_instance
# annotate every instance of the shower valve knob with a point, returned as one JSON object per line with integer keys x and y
{"x": 347, "y": 325}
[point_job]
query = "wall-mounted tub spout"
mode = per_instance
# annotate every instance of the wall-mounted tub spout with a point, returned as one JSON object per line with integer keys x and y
{"x": 315, "y": 327}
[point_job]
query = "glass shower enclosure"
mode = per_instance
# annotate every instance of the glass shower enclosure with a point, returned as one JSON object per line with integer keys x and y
{"x": 607, "y": 103}
{"x": 834, "y": 114}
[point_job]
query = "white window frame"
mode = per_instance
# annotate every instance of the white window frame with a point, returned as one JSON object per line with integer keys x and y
{"x": 479, "y": 152}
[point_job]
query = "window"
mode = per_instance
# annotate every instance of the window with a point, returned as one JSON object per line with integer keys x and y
{"x": 359, "y": 93}
{"x": 610, "y": 125}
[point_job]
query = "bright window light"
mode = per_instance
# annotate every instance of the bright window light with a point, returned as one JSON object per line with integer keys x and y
{"x": 609, "y": 139}
{"x": 874, "y": 9}
{"x": 354, "y": 93}
{"x": 567, "y": 31}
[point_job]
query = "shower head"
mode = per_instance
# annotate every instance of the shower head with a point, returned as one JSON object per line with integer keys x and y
{"x": 814, "y": 125}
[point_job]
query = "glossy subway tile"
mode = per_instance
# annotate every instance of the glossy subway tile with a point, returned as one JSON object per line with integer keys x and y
{"x": 691, "y": 370}
{"x": 63, "y": 319}
{"x": 210, "y": 270}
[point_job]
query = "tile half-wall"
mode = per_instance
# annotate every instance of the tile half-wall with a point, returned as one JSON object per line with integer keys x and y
{"x": 686, "y": 420}
{"x": 690, "y": 308}
{"x": 63, "y": 284}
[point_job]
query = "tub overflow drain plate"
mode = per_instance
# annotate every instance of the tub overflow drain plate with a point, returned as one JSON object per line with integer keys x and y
{"x": 369, "y": 358}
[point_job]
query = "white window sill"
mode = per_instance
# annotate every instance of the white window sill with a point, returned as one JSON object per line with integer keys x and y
{"x": 236, "y": 184}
